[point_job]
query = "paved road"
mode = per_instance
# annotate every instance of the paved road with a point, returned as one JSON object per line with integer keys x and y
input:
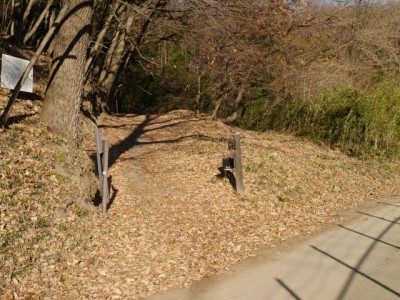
{"x": 359, "y": 260}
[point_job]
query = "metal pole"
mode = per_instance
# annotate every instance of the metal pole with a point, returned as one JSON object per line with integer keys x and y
{"x": 238, "y": 165}
{"x": 105, "y": 177}
{"x": 99, "y": 151}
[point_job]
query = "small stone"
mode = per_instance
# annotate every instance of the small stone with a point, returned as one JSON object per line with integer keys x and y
{"x": 336, "y": 188}
{"x": 274, "y": 155}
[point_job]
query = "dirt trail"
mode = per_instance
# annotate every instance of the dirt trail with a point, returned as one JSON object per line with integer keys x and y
{"x": 173, "y": 220}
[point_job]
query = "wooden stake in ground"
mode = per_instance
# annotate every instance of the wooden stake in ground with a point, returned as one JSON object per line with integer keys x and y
{"x": 238, "y": 165}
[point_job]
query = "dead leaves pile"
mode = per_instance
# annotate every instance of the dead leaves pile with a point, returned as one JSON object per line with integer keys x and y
{"x": 38, "y": 237}
{"x": 173, "y": 218}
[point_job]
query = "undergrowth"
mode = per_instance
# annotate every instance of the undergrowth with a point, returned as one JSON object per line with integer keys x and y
{"x": 361, "y": 123}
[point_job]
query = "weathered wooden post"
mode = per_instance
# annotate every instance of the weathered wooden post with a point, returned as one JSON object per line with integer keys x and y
{"x": 105, "y": 177}
{"x": 238, "y": 164}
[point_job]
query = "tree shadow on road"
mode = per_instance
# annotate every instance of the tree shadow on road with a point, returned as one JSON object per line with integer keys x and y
{"x": 288, "y": 289}
{"x": 380, "y": 218}
{"x": 361, "y": 261}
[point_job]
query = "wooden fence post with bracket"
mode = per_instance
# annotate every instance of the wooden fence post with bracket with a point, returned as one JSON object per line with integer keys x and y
{"x": 238, "y": 164}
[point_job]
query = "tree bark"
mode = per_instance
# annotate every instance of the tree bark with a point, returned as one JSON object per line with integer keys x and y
{"x": 115, "y": 55}
{"x": 115, "y": 9}
{"x": 12, "y": 29}
{"x": 109, "y": 56}
{"x": 39, "y": 20}
{"x": 63, "y": 98}
{"x": 236, "y": 105}
{"x": 199, "y": 94}
{"x": 22, "y": 23}
{"x": 51, "y": 20}
{"x": 215, "y": 112}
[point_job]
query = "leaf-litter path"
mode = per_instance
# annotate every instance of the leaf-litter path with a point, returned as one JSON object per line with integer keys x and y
{"x": 174, "y": 220}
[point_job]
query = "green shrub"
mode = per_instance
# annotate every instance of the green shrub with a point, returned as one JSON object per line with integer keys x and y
{"x": 361, "y": 123}
{"x": 176, "y": 66}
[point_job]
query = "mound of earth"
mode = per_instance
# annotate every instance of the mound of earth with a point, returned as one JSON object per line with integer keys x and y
{"x": 174, "y": 220}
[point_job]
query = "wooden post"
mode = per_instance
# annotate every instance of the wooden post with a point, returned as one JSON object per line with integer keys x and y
{"x": 99, "y": 151}
{"x": 238, "y": 164}
{"x": 105, "y": 177}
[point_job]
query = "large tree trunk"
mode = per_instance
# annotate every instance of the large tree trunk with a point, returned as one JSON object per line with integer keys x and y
{"x": 62, "y": 102}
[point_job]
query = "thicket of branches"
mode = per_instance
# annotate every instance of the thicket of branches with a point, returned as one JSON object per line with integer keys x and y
{"x": 250, "y": 62}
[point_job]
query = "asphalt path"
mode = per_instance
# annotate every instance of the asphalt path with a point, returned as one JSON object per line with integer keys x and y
{"x": 358, "y": 259}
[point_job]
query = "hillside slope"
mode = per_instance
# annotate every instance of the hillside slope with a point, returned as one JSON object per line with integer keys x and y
{"x": 173, "y": 218}
{"x": 45, "y": 188}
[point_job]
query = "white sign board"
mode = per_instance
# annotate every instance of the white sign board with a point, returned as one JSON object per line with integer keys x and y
{"x": 12, "y": 69}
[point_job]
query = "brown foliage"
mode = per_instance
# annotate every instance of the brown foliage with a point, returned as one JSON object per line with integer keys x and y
{"x": 329, "y": 46}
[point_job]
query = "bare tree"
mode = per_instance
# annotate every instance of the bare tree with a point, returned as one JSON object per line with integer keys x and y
{"x": 33, "y": 29}
{"x": 114, "y": 11}
{"x": 227, "y": 43}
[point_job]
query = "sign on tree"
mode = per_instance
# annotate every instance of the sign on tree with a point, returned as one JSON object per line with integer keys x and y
{"x": 12, "y": 69}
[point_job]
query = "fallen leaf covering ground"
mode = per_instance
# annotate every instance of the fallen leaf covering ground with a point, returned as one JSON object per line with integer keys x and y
{"x": 173, "y": 219}
{"x": 41, "y": 232}
{"x": 177, "y": 221}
